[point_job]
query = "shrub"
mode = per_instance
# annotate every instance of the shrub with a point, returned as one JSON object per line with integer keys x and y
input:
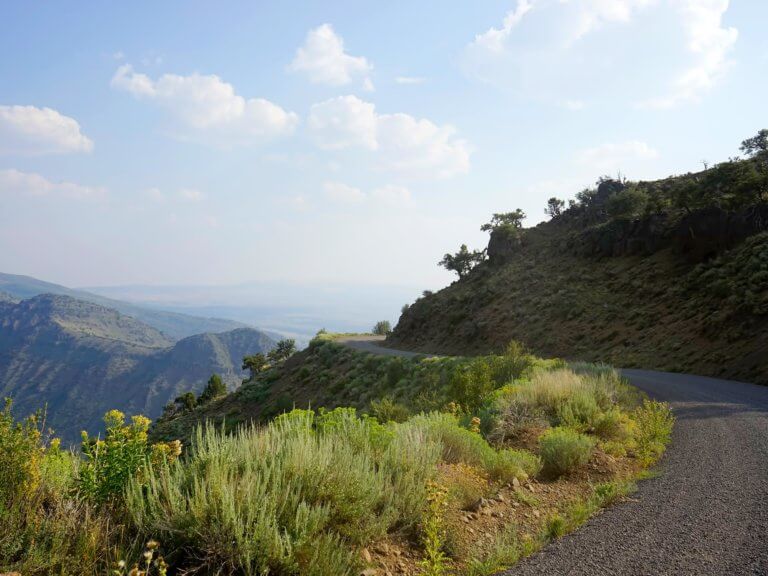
{"x": 514, "y": 417}
{"x": 471, "y": 383}
{"x": 433, "y": 536}
{"x": 613, "y": 425}
{"x": 462, "y": 445}
{"x": 121, "y": 456}
{"x": 563, "y": 450}
{"x": 654, "y": 429}
{"x": 45, "y": 528}
{"x": 513, "y": 363}
{"x": 579, "y": 410}
{"x": 294, "y": 497}
{"x": 386, "y": 410}
{"x": 509, "y": 464}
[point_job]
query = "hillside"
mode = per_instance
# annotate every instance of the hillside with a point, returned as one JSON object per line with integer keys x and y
{"x": 669, "y": 275}
{"x": 173, "y": 324}
{"x": 81, "y": 359}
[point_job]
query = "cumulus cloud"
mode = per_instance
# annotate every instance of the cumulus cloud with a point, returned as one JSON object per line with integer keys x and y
{"x": 205, "y": 104}
{"x": 323, "y": 59}
{"x": 709, "y": 43}
{"x": 402, "y": 143}
{"x": 27, "y": 130}
{"x": 541, "y": 48}
{"x": 494, "y": 39}
{"x": 344, "y": 122}
{"x": 610, "y": 157}
{"x": 31, "y": 184}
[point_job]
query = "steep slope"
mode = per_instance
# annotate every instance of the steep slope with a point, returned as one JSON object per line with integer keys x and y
{"x": 81, "y": 359}
{"x": 173, "y": 324}
{"x": 668, "y": 288}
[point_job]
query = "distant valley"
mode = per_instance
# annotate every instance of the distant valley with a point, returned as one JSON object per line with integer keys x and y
{"x": 81, "y": 359}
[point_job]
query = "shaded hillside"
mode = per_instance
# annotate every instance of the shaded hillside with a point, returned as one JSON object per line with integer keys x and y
{"x": 669, "y": 275}
{"x": 173, "y": 324}
{"x": 81, "y": 359}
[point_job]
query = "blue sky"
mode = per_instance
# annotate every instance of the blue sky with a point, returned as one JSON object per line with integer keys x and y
{"x": 343, "y": 142}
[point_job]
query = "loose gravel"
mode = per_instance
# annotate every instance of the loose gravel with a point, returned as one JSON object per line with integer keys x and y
{"x": 707, "y": 513}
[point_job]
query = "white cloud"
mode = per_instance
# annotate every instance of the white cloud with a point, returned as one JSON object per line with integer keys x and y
{"x": 709, "y": 43}
{"x": 403, "y": 144}
{"x": 208, "y": 105}
{"x": 494, "y": 39}
{"x": 613, "y": 156}
{"x": 31, "y": 184}
{"x": 323, "y": 59}
{"x": 27, "y": 130}
{"x": 343, "y": 193}
{"x": 542, "y": 50}
{"x": 410, "y": 80}
{"x": 343, "y": 122}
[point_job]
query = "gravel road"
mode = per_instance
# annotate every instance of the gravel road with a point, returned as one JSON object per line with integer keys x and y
{"x": 706, "y": 514}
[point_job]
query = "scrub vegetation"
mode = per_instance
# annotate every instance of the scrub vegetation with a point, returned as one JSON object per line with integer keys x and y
{"x": 444, "y": 466}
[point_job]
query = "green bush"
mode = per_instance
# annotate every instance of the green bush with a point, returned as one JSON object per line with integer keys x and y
{"x": 121, "y": 456}
{"x": 462, "y": 445}
{"x": 509, "y": 464}
{"x": 563, "y": 450}
{"x": 45, "y": 528}
{"x": 385, "y": 410}
{"x": 295, "y": 497}
{"x": 654, "y": 429}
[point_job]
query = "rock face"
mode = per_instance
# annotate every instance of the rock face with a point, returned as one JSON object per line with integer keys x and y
{"x": 704, "y": 233}
{"x": 698, "y": 235}
{"x": 503, "y": 245}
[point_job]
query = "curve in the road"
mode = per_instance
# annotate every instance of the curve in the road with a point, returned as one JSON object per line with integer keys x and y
{"x": 706, "y": 514}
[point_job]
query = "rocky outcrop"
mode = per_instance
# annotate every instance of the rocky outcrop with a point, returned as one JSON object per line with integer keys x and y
{"x": 503, "y": 245}
{"x": 698, "y": 235}
{"x": 706, "y": 232}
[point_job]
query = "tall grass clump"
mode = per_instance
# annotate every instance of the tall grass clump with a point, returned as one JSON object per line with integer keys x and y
{"x": 462, "y": 445}
{"x": 563, "y": 450}
{"x": 577, "y": 397}
{"x": 294, "y": 497}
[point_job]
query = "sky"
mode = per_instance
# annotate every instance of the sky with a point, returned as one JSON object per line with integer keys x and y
{"x": 349, "y": 143}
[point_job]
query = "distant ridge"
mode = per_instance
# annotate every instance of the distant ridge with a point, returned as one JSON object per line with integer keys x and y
{"x": 173, "y": 324}
{"x": 80, "y": 359}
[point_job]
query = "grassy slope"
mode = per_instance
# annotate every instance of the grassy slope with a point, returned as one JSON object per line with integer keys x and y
{"x": 656, "y": 312}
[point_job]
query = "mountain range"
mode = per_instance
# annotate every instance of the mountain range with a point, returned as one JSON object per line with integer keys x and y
{"x": 79, "y": 359}
{"x": 174, "y": 325}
